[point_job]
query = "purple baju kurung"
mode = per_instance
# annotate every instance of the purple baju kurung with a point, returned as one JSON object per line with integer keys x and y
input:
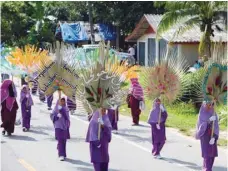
{"x": 204, "y": 128}
{"x": 158, "y": 135}
{"x": 26, "y": 106}
{"x": 99, "y": 148}
{"x": 62, "y": 126}
{"x": 9, "y": 106}
{"x": 113, "y": 116}
{"x": 50, "y": 100}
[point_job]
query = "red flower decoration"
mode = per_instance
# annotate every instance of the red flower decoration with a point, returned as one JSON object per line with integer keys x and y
{"x": 225, "y": 88}
{"x": 209, "y": 89}
{"x": 217, "y": 81}
{"x": 99, "y": 91}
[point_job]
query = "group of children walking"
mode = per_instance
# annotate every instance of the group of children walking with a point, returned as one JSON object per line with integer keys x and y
{"x": 99, "y": 147}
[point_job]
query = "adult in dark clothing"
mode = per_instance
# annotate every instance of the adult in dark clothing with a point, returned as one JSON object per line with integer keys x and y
{"x": 4, "y": 77}
{"x": 9, "y": 106}
{"x": 23, "y": 82}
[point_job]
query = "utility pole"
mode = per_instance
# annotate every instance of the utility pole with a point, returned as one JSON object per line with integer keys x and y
{"x": 91, "y": 22}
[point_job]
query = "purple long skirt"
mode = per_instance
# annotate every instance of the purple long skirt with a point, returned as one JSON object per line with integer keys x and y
{"x": 62, "y": 136}
{"x": 158, "y": 138}
{"x": 100, "y": 166}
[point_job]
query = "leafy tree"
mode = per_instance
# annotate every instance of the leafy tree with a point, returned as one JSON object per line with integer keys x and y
{"x": 29, "y": 21}
{"x": 204, "y": 14}
{"x": 25, "y": 23}
{"x": 14, "y": 23}
{"x": 125, "y": 14}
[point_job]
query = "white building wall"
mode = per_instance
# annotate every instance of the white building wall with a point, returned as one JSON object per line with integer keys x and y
{"x": 145, "y": 38}
{"x": 189, "y": 52}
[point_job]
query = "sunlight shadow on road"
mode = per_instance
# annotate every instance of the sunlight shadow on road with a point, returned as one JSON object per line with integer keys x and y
{"x": 132, "y": 135}
{"x": 134, "y": 130}
{"x": 91, "y": 169}
{"x": 145, "y": 126}
{"x": 78, "y": 162}
{"x": 84, "y": 169}
{"x": 134, "y": 138}
{"x": 192, "y": 165}
{"x": 76, "y": 139}
{"x": 72, "y": 139}
{"x": 186, "y": 164}
{"x": 87, "y": 166}
{"x": 22, "y": 138}
{"x": 38, "y": 132}
{"x": 47, "y": 128}
{"x": 218, "y": 168}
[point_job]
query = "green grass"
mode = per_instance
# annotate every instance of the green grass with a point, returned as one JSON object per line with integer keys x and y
{"x": 182, "y": 116}
{"x": 222, "y": 142}
{"x": 179, "y": 116}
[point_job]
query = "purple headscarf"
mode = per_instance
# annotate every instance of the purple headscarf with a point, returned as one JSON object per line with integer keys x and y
{"x": 5, "y": 94}
{"x": 25, "y": 91}
{"x": 65, "y": 111}
{"x": 203, "y": 118}
{"x": 154, "y": 114}
{"x": 92, "y": 133}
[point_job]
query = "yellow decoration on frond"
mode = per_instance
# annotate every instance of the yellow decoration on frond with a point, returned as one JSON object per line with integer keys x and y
{"x": 28, "y": 58}
{"x": 132, "y": 72}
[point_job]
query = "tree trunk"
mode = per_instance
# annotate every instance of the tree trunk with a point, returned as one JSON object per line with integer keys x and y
{"x": 117, "y": 37}
{"x": 91, "y": 23}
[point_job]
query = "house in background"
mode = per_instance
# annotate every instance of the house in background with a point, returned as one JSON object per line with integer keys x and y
{"x": 186, "y": 45}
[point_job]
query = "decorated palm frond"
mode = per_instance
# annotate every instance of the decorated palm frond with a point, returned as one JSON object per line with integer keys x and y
{"x": 164, "y": 79}
{"x": 215, "y": 84}
{"x": 27, "y": 58}
{"x": 214, "y": 77}
{"x": 5, "y": 66}
{"x": 99, "y": 83}
{"x": 57, "y": 73}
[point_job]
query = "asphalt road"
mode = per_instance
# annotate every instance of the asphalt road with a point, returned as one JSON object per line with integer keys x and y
{"x": 130, "y": 150}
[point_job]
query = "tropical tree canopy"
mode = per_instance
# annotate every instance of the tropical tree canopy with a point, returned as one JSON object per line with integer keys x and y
{"x": 187, "y": 14}
{"x": 33, "y": 22}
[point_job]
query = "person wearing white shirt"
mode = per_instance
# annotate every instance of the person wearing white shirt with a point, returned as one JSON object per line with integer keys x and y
{"x": 131, "y": 51}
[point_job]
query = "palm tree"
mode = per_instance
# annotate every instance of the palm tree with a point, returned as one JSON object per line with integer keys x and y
{"x": 91, "y": 22}
{"x": 204, "y": 14}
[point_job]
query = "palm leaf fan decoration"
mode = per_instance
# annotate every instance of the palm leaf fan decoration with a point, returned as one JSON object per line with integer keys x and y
{"x": 5, "y": 66}
{"x": 215, "y": 84}
{"x": 58, "y": 74}
{"x": 27, "y": 58}
{"x": 100, "y": 83}
{"x": 164, "y": 79}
